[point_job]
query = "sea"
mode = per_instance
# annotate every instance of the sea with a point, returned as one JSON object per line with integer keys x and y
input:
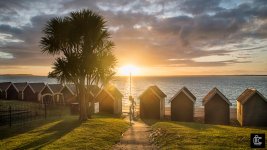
{"x": 230, "y": 86}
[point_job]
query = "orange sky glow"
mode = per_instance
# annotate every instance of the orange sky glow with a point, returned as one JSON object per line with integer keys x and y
{"x": 158, "y": 38}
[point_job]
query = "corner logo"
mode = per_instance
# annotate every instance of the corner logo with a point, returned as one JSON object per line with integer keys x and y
{"x": 257, "y": 140}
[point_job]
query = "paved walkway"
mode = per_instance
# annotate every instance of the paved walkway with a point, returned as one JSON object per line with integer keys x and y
{"x": 136, "y": 138}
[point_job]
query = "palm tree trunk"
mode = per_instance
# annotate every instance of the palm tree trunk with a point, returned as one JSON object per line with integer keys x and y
{"x": 83, "y": 110}
{"x": 88, "y": 101}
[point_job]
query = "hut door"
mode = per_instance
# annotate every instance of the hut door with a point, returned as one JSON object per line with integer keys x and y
{"x": 150, "y": 107}
{"x": 106, "y": 106}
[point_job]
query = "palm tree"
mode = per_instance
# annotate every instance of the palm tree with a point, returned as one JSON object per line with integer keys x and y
{"x": 83, "y": 44}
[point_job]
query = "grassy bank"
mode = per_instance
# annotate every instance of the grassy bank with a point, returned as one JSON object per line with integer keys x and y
{"x": 18, "y": 103}
{"x": 178, "y": 135}
{"x": 67, "y": 133}
{"x": 34, "y": 107}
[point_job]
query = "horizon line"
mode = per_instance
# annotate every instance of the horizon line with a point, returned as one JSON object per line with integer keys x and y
{"x": 152, "y": 75}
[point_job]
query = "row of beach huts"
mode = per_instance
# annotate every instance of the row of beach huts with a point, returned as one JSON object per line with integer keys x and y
{"x": 251, "y": 104}
{"x": 38, "y": 92}
{"x": 109, "y": 98}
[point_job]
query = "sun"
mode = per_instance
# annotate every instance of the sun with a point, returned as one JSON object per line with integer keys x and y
{"x": 128, "y": 69}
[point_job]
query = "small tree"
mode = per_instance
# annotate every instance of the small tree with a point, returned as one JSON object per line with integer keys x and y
{"x": 83, "y": 45}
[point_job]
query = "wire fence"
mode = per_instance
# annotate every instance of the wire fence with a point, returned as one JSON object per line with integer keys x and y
{"x": 11, "y": 114}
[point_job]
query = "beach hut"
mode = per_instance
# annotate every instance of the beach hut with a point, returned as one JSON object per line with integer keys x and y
{"x": 94, "y": 89}
{"x": 110, "y": 100}
{"x": 0, "y": 93}
{"x": 37, "y": 88}
{"x": 69, "y": 93}
{"x": 4, "y": 86}
{"x": 252, "y": 108}
{"x": 182, "y": 105}
{"x": 12, "y": 93}
{"x": 152, "y": 103}
{"x": 47, "y": 95}
{"x": 29, "y": 94}
{"x": 57, "y": 95}
{"x": 216, "y": 108}
{"x": 21, "y": 87}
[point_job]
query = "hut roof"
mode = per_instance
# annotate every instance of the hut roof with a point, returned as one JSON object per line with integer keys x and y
{"x": 247, "y": 94}
{"x": 94, "y": 89}
{"x": 37, "y": 87}
{"x": 111, "y": 90}
{"x": 65, "y": 86}
{"x": 114, "y": 91}
{"x": 212, "y": 93}
{"x": 56, "y": 88}
{"x": 155, "y": 89}
{"x": 48, "y": 88}
{"x": 186, "y": 92}
{"x": 21, "y": 86}
{"x": 72, "y": 87}
{"x": 5, "y": 85}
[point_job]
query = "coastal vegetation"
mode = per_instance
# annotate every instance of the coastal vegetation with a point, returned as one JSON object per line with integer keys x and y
{"x": 83, "y": 48}
{"x": 100, "y": 132}
{"x": 182, "y": 135}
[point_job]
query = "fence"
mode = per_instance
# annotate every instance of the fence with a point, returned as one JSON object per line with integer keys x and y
{"x": 23, "y": 113}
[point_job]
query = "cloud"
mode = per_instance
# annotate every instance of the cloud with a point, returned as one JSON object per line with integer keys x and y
{"x": 200, "y": 6}
{"x": 26, "y": 51}
{"x": 150, "y": 31}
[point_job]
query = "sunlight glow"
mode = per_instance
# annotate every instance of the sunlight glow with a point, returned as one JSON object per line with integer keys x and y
{"x": 126, "y": 70}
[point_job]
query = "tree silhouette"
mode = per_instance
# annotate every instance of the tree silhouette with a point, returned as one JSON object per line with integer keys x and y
{"x": 83, "y": 46}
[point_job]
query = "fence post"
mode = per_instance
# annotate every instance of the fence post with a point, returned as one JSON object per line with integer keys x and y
{"x": 45, "y": 110}
{"x": 10, "y": 116}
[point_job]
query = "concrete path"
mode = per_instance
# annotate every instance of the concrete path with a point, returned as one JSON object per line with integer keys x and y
{"x": 136, "y": 138}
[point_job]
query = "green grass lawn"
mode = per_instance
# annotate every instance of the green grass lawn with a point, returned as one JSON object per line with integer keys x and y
{"x": 180, "y": 135}
{"x": 66, "y": 133}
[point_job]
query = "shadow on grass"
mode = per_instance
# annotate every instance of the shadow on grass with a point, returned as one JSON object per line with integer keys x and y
{"x": 104, "y": 115}
{"x": 7, "y": 132}
{"x": 53, "y": 133}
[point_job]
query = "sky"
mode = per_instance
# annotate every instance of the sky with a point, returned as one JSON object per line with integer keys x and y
{"x": 159, "y": 37}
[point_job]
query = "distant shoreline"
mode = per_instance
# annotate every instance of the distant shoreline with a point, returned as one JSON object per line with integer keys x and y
{"x": 31, "y": 75}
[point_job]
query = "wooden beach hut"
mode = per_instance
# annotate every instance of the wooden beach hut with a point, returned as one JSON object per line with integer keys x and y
{"x": 110, "y": 100}
{"x": 37, "y": 88}
{"x": 152, "y": 103}
{"x": 12, "y": 93}
{"x": 0, "y": 93}
{"x": 69, "y": 94}
{"x": 21, "y": 87}
{"x": 216, "y": 108}
{"x": 57, "y": 95}
{"x": 29, "y": 94}
{"x": 182, "y": 105}
{"x": 47, "y": 95}
{"x": 4, "y": 86}
{"x": 92, "y": 91}
{"x": 252, "y": 108}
